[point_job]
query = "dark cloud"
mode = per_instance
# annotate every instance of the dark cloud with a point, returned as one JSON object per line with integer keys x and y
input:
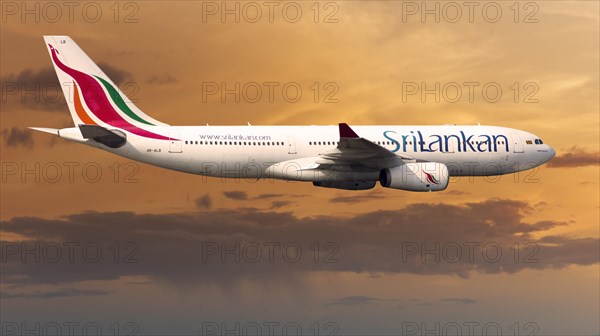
{"x": 353, "y": 301}
{"x": 267, "y": 196}
{"x": 243, "y": 196}
{"x": 457, "y": 192}
{"x": 59, "y": 293}
{"x": 117, "y": 75}
{"x": 576, "y": 157}
{"x": 41, "y": 90}
{"x": 195, "y": 248}
{"x": 355, "y": 198}
{"x": 204, "y": 202}
{"x": 16, "y": 137}
{"x": 161, "y": 79}
{"x": 459, "y": 300}
{"x": 280, "y": 204}
{"x": 236, "y": 195}
{"x": 358, "y": 197}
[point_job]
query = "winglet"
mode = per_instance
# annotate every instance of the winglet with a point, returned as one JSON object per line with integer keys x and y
{"x": 347, "y": 132}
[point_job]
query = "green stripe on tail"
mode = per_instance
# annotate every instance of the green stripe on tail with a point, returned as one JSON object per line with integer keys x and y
{"x": 118, "y": 100}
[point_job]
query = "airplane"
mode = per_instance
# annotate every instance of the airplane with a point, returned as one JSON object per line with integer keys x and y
{"x": 412, "y": 158}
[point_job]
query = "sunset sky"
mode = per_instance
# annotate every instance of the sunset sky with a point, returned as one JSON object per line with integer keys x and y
{"x": 355, "y": 274}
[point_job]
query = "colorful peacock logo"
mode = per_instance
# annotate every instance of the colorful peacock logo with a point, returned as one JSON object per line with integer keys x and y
{"x": 431, "y": 178}
{"x": 98, "y": 102}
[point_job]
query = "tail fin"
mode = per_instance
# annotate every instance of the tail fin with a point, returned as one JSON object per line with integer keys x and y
{"x": 93, "y": 99}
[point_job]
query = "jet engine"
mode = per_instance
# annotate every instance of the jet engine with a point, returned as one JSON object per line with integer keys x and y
{"x": 416, "y": 176}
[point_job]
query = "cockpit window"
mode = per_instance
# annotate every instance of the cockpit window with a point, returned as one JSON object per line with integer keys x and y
{"x": 541, "y": 142}
{"x": 537, "y": 141}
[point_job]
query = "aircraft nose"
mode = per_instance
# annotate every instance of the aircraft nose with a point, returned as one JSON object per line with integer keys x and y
{"x": 550, "y": 154}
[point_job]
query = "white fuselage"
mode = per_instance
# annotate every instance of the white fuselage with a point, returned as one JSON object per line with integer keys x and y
{"x": 251, "y": 151}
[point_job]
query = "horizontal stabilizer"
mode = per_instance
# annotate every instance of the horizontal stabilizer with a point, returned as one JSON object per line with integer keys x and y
{"x": 110, "y": 138}
{"x": 45, "y": 130}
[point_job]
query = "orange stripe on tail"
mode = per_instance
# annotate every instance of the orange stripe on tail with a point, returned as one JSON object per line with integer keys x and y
{"x": 79, "y": 109}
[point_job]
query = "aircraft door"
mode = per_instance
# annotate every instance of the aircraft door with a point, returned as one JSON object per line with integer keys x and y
{"x": 451, "y": 146}
{"x": 175, "y": 143}
{"x": 291, "y": 145}
{"x": 515, "y": 141}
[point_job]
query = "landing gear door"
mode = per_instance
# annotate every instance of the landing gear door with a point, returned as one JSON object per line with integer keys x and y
{"x": 291, "y": 145}
{"x": 175, "y": 143}
{"x": 515, "y": 141}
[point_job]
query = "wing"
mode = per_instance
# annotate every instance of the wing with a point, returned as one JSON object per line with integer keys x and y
{"x": 354, "y": 153}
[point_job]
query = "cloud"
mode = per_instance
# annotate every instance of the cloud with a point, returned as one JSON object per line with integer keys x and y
{"x": 243, "y": 196}
{"x": 204, "y": 202}
{"x": 16, "y": 137}
{"x": 457, "y": 192}
{"x": 359, "y": 197}
{"x": 280, "y": 204}
{"x": 236, "y": 195}
{"x": 117, "y": 75}
{"x": 60, "y": 293}
{"x": 576, "y": 157}
{"x": 267, "y": 196}
{"x": 161, "y": 79}
{"x": 353, "y": 301}
{"x": 354, "y": 199}
{"x": 219, "y": 246}
{"x": 41, "y": 90}
{"x": 459, "y": 300}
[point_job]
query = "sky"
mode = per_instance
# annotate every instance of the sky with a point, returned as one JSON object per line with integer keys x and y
{"x": 94, "y": 242}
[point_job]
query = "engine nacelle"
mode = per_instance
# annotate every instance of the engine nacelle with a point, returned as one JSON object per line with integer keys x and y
{"x": 346, "y": 185}
{"x": 416, "y": 176}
